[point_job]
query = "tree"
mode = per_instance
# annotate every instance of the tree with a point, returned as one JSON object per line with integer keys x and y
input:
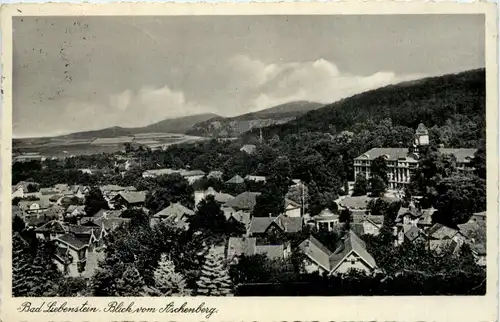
{"x": 131, "y": 284}
{"x": 360, "y": 185}
{"x": 270, "y": 202}
{"x": 18, "y": 224}
{"x": 44, "y": 273}
{"x": 20, "y": 266}
{"x": 209, "y": 218}
{"x": 281, "y": 173}
{"x": 214, "y": 279}
{"x": 378, "y": 167}
{"x": 388, "y": 209}
{"x": 377, "y": 186}
{"x": 459, "y": 196}
{"x": 479, "y": 161}
{"x": 171, "y": 188}
{"x": 168, "y": 280}
{"x": 345, "y": 217}
{"x": 94, "y": 201}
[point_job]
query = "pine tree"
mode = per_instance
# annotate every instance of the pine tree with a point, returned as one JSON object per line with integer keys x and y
{"x": 167, "y": 280}
{"x": 131, "y": 283}
{"x": 214, "y": 279}
{"x": 44, "y": 276}
{"x": 20, "y": 266}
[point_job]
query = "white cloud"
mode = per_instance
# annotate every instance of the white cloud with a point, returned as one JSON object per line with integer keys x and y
{"x": 280, "y": 82}
{"x": 149, "y": 105}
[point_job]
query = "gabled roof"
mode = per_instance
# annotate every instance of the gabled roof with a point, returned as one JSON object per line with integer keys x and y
{"x": 259, "y": 225}
{"x": 439, "y": 231}
{"x": 392, "y": 154}
{"x": 291, "y": 204}
{"x": 479, "y": 249}
{"x": 61, "y": 187}
{"x": 72, "y": 241}
{"x": 352, "y": 243}
{"x": 110, "y": 223}
{"x": 244, "y": 201}
{"x": 442, "y": 244}
{"x": 469, "y": 228}
{"x": 240, "y": 216}
{"x": 214, "y": 174}
{"x": 236, "y": 180}
{"x": 54, "y": 226}
{"x": 26, "y": 204}
{"x": 219, "y": 196}
{"x": 317, "y": 252}
{"x": 79, "y": 209}
{"x": 113, "y": 188}
{"x": 174, "y": 210}
{"x": 133, "y": 197}
{"x": 376, "y": 220}
{"x": 411, "y": 232}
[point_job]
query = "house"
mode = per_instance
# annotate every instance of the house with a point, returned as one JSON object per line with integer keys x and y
{"x": 107, "y": 224}
{"x": 479, "y": 216}
{"x": 441, "y": 245}
{"x": 479, "y": 252}
{"x": 61, "y": 187}
{"x": 292, "y": 209}
{"x": 471, "y": 229}
{"x": 351, "y": 253}
{"x": 245, "y": 201}
{"x": 255, "y": 178}
{"x": 192, "y": 175}
{"x": 175, "y": 214}
{"x": 129, "y": 199}
{"x": 248, "y": 148}
{"x": 412, "y": 215}
{"x": 75, "y": 211}
{"x": 111, "y": 190}
{"x": 371, "y": 224}
{"x": 439, "y": 232}
{"x": 17, "y": 192}
{"x": 220, "y": 197}
{"x": 215, "y": 175}
{"x": 35, "y": 206}
{"x": 79, "y": 191}
{"x": 51, "y": 230}
{"x": 409, "y": 233}
{"x": 71, "y": 255}
{"x": 247, "y": 246}
{"x": 265, "y": 225}
{"x": 241, "y": 217}
{"x": 326, "y": 220}
{"x": 236, "y": 180}
{"x": 402, "y": 162}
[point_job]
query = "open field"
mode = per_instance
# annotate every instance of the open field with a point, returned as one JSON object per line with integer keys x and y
{"x": 57, "y": 147}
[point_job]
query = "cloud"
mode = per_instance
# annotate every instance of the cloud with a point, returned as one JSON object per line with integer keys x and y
{"x": 152, "y": 104}
{"x": 320, "y": 80}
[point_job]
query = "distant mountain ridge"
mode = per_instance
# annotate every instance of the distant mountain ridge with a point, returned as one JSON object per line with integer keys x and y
{"x": 434, "y": 101}
{"x": 235, "y": 126}
{"x": 176, "y": 125}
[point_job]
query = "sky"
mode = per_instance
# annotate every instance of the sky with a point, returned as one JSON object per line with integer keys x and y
{"x": 73, "y": 74}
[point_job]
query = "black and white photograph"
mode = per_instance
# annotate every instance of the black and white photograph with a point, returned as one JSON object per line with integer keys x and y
{"x": 272, "y": 155}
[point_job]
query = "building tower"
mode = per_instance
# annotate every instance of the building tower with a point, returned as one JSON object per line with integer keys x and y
{"x": 421, "y": 136}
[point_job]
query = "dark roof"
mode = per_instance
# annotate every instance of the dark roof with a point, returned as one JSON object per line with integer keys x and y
{"x": 411, "y": 232}
{"x": 240, "y": 216}
{"x": 110, "y": 223}
{"x": 317, "y": 252}
{"x": 244, "y": 201}
{"x": 393, "y": 154}
{"x": 259, "y": 225}
{"x": 72, "y": 241}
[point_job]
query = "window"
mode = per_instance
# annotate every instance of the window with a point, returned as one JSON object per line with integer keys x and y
{"x": 353, "y": 261}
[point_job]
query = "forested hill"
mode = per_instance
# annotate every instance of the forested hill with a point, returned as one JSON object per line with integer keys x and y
{"x": 456, "y": 100}
{"x": 235, "y": 126}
